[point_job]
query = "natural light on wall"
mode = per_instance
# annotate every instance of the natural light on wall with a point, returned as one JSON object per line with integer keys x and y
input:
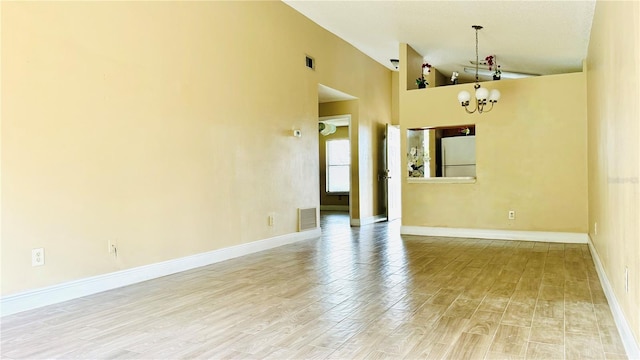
{"x": 338, "y": 166}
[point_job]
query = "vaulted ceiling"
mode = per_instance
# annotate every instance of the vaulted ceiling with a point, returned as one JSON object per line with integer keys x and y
{"x": 535, "y": 37}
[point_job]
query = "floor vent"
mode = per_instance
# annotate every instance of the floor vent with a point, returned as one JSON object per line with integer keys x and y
{"x": 307, "y": 219}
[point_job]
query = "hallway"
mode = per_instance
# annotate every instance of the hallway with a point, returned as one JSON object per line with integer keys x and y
{"x": 355, "y": 293}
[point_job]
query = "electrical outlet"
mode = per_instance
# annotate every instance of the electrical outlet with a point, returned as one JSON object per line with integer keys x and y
{"x": 512, "y": 215}
{"x": 37, "y": 257}
{"x": 270, "y": 219}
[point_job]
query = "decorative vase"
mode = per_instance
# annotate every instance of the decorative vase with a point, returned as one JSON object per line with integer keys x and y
{"x": 422, "y": 86}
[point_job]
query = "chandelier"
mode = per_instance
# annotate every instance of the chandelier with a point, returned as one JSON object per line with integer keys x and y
{"x": 482, "y": 94}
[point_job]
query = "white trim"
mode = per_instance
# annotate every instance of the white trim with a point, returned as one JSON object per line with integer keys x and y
{"x": 442, "y": 180}
{"x": 334, "y": 207}
{"x": 543, "y": 236}
{"x": 77, "y": 288}
{"x": 368, "y": 220}
{"x": 628, "y": 340}
{"x": 337, "y": 120}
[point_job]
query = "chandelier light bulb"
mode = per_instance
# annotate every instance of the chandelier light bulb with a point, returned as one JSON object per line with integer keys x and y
{"x": 494, "y": 96}
{"x": 482, "y": 94}
{"x": 464, "y": 96}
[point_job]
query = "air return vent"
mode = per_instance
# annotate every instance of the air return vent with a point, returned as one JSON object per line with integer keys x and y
{"x": 307, "y": 219}
{"x": 310, "y": 62}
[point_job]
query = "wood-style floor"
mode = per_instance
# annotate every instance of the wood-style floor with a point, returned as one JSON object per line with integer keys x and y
{"x": 356, "y": 293}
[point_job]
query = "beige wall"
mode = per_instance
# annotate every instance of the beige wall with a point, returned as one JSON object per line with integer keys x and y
{"x": 531, "y": 155}
{"x": 371, "y": 130}
{"x": 164, "y": 126}
{"x": 413, "y": 69}
{"x": 613, "y": 90}
{"x": 342, "y": 132}
{"x": 440, "y": 79}
{"x": 395, "y": 101}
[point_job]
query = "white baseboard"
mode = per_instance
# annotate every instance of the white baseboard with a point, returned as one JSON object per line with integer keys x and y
{"x": 543, "y": 236}
{"x": 368, "y": 220}
{"x": 628, "y": 340}
{"x": 74, "y": 289}
{"x": 334, "y": 207}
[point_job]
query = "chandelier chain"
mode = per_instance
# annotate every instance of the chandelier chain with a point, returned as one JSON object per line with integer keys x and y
{"x": 477, "y": 59}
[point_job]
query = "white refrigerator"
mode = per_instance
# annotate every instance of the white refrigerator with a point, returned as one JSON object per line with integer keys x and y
{"x": 459, "y": 156}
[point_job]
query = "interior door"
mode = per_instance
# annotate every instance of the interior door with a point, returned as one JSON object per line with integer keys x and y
{"x": 393, "y": 172}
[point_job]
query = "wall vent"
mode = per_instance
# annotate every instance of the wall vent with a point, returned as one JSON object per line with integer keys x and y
{"x": 307, "y": 219}
{"x": 310, "y": 62}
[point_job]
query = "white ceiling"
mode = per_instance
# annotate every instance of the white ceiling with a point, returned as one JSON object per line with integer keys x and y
{"x": 327, "y": 94}
{"x": 537, "y": 37}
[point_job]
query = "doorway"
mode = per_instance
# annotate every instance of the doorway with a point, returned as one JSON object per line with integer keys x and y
{"x": 335, "y": 160}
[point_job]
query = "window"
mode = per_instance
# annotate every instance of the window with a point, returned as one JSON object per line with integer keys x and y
{"x": 338, "y": 166}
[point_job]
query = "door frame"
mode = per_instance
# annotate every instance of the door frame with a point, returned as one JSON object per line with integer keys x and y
{"x": 398, "y": 176}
